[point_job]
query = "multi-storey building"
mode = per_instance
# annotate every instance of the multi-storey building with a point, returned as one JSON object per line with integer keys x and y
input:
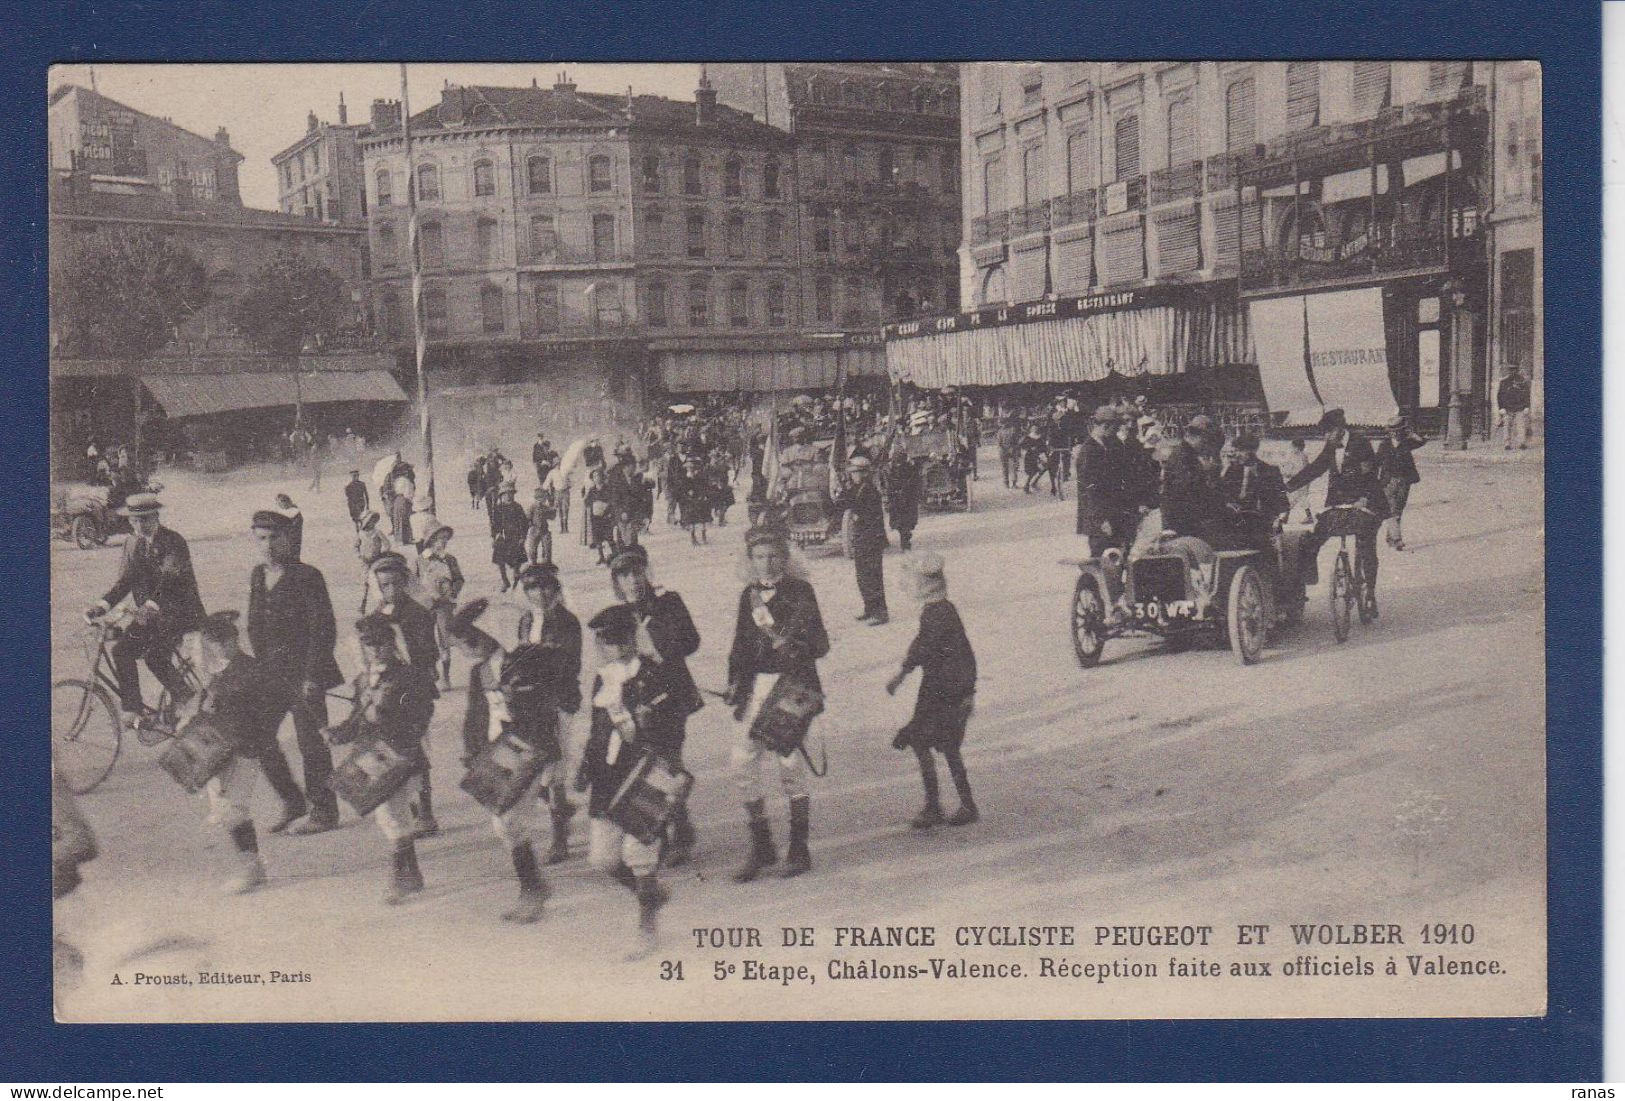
{"x": 115, "y": 169}
{"x": 1514, "y": 216}
{"x": 319, "y": 176}
{"x": 877, "y": 157}
{"x": 578, "y": 246}
{"x": 1169, "y": 217}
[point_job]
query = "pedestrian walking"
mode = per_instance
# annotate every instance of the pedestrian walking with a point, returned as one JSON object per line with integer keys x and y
{"x": 296, "y": 521}
{"x": 476, "y": 482}
{"x": 547, "y": 623}
{"x": 859, "y": 496}
{"x": 539, "y": 535}
{"x": 393, "y": 702}
{"x": 903, "y": 489}
{"x": 509, "y": 524}
{"x": 947, "y": 665}
{"x": 778, "y": 634}
{"x": 1009, "y": 439}
{"x": 441, "y": 580}
{"x": 1396, "y": 470}
{"x": 356, "y": 498}
{"x": 694, "y": 501}
{"x": 370, "y": 544}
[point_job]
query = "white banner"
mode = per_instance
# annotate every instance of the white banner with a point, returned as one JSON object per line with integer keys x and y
{"x": 1277, "y": 328}
{"x": 1348, "y": 354}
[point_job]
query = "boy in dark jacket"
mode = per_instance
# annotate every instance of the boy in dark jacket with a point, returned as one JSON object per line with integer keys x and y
{"x": 947, "y": 667}
{"x": 547, "y": 623}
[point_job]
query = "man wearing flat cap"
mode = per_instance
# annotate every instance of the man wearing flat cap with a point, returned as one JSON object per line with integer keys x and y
{"x": 416, "y": 624}
{"x": 1101, "y": 488}
{"x": 859, "y": 496}
{"x": 552, "y": 628}
{"x": 156, "y": 575}
{"x": 293, "y": 633}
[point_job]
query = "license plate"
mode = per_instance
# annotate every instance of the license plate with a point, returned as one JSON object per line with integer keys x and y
{"x": 1156, "y": 611}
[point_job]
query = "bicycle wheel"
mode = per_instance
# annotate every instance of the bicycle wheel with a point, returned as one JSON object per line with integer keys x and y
{"x": 1342, "y": 596}
{"x": 85, "y": 737}
{"x": 1365, "y": 600}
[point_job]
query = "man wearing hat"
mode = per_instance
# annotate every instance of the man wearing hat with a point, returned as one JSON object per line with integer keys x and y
{"x": 442, "y": 580}
{"x": 546, "y": 623}
{"x": 1254, "y": 495}
{"x": 1396, "y": 471}
{"x": 292, "y": 631}
{"x": 397, "y": 607}
{"x": 636, "y": 709}
{"x": 356, "y": 498}
{"x": 370, "y": 544}
{"x": 1101, "y": 485}
{"x": 860, "y": 497}
{"x": 903, "y": 489}
{"x": 666, "y": 635}
{"x": 1350, "y": 467}
{"x": 1190, "y": 496}
{"x": 156, "y": 575}
{"x": 778, "y": 632}
{"x": 392, "y": 703}
{"x": 510, "y": 692}
{"x": 1512, "y": 400}
{"x": 508, "y": 527}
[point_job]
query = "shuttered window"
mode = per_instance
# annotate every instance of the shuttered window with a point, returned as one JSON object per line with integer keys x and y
{"x": 1027, "y": 274}
{"x": 1224, "y": 232}
{"x": 1302, "y": 95}
{"x": 1080, "y": 161}
{"x": 1125, "y": 255}
{"x": 603, "y": 236}
{"x": 1240, "y": 126}
{"x": 547, "y": 308}
{"x": 1032, "y": 175}
{"x": 1178, "y": 242}
{"x": 1370, "y": 86}
{"x": 1446, "y": 76}
{"x": 491, "y": 319}
{"x": 1126, "y": 147}
{"x": 1181, "y": 132}
{"x": 1074, "y": 267}
{"x": 993, "y": 186}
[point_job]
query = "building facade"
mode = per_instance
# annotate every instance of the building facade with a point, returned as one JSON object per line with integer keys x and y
{"x": 320, "y": 176}
{"x": 1219, "y": 193}
{"x": 1517, "y": 274}
{"x": 208, "y": 377}
{"x": 877, "y": 157}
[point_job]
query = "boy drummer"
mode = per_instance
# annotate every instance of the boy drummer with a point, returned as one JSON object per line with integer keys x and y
{"x": 393, "y": 702}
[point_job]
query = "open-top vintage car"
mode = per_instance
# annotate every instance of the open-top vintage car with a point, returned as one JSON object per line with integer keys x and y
{"x": 1183, "y": 591}
{"x": 802, "y": 499}
{"x": 944, "y": 472}
{"x": 87, "y": 516}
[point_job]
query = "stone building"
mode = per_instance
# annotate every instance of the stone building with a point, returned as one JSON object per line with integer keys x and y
{"x": 320, "y": 176}
{"x": 1129, "y": 218}
{"x": 100, "y": 136}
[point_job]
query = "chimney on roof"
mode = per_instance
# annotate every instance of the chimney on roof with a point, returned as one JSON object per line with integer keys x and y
{"x": 563, "y": 83}
{"x": 221, "y": 137}
{"x": 344, "y": 112}
{"x": 705, "y": 100}
{"x": 386, "y": 115}
{"x": 453, "y": 106}
{"x": 310, "y": 123}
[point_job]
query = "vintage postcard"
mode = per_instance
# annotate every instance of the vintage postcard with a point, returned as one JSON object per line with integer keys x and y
{"x": 797, "y": 541}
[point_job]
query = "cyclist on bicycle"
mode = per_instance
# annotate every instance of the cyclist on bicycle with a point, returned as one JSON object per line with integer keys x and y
{"x": 1350, "y": 467}
{"x": 156, "y": 575}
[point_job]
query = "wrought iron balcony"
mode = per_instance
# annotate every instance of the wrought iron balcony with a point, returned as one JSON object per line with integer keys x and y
{"x": 1180, "y": 181}
{"x": 1068, "y": 210}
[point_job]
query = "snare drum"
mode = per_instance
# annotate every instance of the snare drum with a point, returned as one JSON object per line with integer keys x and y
{"x": 370, "y": 775}
{"x": 196, "y": 754}
{"x": 786, "y": 715}
{"x": 649, "y": 797}
{"x": 502, "y": 773}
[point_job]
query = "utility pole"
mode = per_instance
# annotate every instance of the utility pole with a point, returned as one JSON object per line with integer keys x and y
{"x": 419, "y": 329}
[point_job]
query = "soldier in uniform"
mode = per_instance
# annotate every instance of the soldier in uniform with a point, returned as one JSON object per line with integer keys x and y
{"x": 635, "y": 709}
{"x": 860, "y": 497}
{"x": 243, "y": 702}
{"x": 547, "y": 623}
{"x": 513, "y": 692}
{"x": 417, "y": 627}
{"x": 392, "y": 701}
{"x": 666, "y": 635}
{"x": 293, "y": 633}
{"x": 777, "y": 632}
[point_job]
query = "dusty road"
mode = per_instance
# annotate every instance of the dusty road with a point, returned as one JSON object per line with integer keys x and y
{"x": 1398, "y": 778}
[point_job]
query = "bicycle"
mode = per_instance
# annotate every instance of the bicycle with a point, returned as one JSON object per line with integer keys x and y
{"x": 1351, "y": 590}
{"x": 86, "y": 730}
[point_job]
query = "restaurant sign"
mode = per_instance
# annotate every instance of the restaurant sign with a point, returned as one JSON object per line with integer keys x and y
{"x": 1049, "y": 309}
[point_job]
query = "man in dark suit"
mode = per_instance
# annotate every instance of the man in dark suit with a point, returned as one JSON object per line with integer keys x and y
{"x": 416, "y": 626}
{"x": 292, "y": 632}
{"x": 1190, "y": 497}
{"x": 156, "y": 575}
{"x": 1396, "y": 472}
{"x": 1254, "y": 495}
{"x": 1101, "y": 489}
{"x": 548, "y": 624}
{"x": 1350, "y": 467}
{"x": 356, "y": 498}
{"x": 860, "y": 497}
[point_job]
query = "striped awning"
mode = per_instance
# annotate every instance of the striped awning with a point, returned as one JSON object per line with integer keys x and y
{"x": 200, "y": 395}
{"x": 687, "y": 372}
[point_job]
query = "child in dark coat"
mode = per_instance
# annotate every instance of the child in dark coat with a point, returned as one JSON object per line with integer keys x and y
{"x": 947, "y": 692}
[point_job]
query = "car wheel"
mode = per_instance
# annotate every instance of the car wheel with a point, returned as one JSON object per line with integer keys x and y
{"x": 1088, "y": 622}
{"x": 1245, "y": 615}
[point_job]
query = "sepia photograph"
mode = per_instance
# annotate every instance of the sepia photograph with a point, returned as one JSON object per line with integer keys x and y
{"x": 797, "y": 541}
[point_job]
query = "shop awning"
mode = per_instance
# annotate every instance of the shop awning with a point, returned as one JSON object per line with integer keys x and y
{"x": 685, "y": 372}
{"x": 200, "y": 395}
{"x": 1324, "y": 351}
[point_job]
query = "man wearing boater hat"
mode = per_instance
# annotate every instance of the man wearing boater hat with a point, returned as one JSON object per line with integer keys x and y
{"x": 156, "y": 575}
{"x": 778, "y": 632}
{"x": 292, "y": 631}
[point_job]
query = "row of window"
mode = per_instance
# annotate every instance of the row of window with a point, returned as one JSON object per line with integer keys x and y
{"x": 903, "y": 233}
{"x": 544, "y": 243}
{"x": 294, "y": 168}
{"x": 891, "y": 166}
{"x": 539, "y": 178}
{"x": 871, "y": 95}
{"x": 1371, "y": 93}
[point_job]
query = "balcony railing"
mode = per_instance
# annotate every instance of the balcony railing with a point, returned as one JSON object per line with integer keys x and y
{"x": 990, "y": 227}
{"x": 1072, "y": 209}
{"x": 1032, "y": 218}
{"x": 1181, "y": 181}
{"x": 1384, "y": 250}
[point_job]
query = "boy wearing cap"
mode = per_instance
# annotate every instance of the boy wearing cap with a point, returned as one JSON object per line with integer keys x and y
{"x": 947, "y": 665}
{"x": 243, "y": 702}
{"x": 416, "y": 625}
{"x": 548, "y": 624}
{"x": 442, "y": 579}
{"x": 1254, "y": 493}
{"x": 393, "y": 702}
{"x": 293, "y": 633}
{"x": 665, "y": 635}
{"x": 635, "y": 709}
{"x": 370, "y": 544}
{"x": 156, "y": 575}
{"x": 778, "y": 632}
{"x": 511, "y": 692}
